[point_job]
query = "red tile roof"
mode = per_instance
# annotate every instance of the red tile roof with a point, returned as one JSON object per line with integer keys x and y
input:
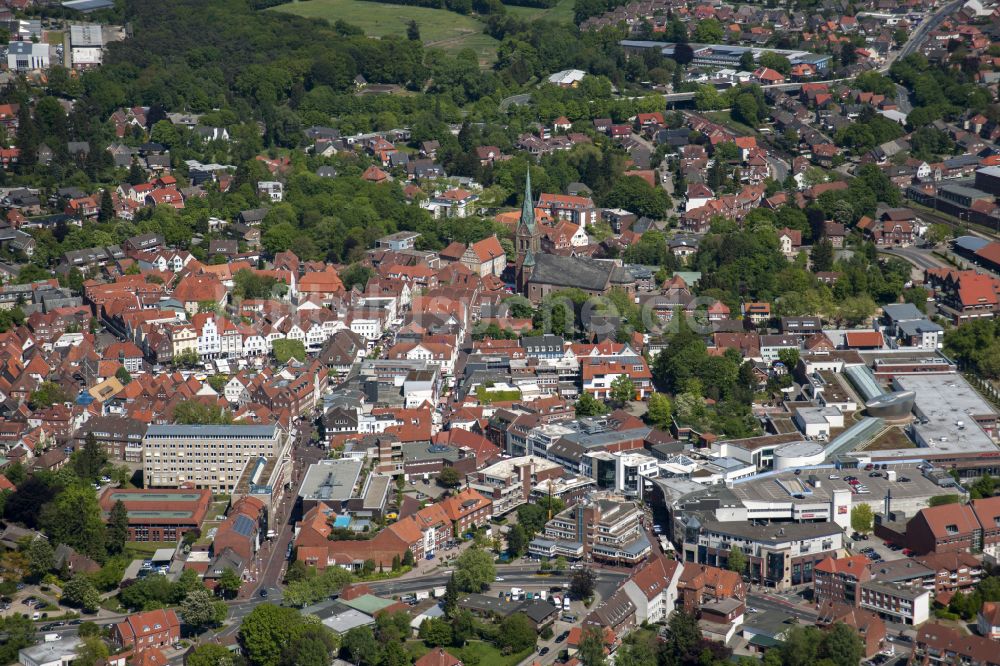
{"x": 856, "y": 565}
{"x": 864, "y": 339}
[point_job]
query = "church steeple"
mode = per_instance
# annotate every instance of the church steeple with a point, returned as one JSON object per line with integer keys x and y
{"x": 528, "y": 205}
{"x": 528, "y": 238}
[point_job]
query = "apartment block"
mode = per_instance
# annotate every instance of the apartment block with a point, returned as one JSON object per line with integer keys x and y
{"x": 604, "y": 530}
{"x": 904, "y": 604}
{"x": 508, "y": 483}
{"x": 208, "y": 456}
{"x": 838, "y": 580}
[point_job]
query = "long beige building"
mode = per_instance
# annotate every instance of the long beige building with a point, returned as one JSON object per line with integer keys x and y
{"x": 508, "y": 483}
{"x": 212, "y": 456}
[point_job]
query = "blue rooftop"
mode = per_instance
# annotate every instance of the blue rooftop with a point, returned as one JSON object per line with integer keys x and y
{"x": 970, "y": 243}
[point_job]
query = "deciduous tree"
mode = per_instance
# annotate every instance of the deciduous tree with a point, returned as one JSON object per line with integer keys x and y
{"x": 80, "y": 592}
{"x": 267, "y": 632}
{"x": 201, "y": 610}
{"x": 474, "y": 570}
{"x": 862, "y": 518}
{"x": 517, "y": 633}
{"x": 229, "y": 583}
{"x": 581, "y": 584}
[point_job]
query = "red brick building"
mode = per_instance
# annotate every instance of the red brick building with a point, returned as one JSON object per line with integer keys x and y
{"x": 242, "y": 528}
{"x": 869, "y": 626}
{"x": 159, "y": 515}
{"x": 938, "y": 529}
{"x": 838, "y": 580}
{"x": 938, "y": 644}
{"x": 153, "y": 629}
{"x": 701, "y": 583}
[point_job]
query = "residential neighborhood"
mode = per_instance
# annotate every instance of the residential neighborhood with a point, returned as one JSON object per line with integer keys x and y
{"x": 593, "y": 333}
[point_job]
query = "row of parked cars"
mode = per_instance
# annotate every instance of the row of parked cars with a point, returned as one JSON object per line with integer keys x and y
{"x": 871, "y": 554}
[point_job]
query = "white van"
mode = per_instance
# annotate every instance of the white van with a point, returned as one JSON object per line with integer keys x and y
{"x": 566, "y": 602}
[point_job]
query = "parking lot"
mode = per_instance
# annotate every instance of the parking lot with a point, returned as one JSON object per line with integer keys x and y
{"x": 873, "y": 544}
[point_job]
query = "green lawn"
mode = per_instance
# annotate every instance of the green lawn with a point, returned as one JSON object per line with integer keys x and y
{"x": 723, "y": 118}
{"x": 562, "y": 12}
{"x": 474, "y": 652}
{"x": 485, "y": 654}
{"x": 439, "y": 28}
{"x": 142, "y": 549}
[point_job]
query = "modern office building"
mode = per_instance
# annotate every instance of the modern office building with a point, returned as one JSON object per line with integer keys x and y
{"x": 508, "y": 483}
{"x": 625, "y": 473}
{"x": 603, "y": 530}
{"x": 778, "y": 556}
{"x": 214, "y": 456}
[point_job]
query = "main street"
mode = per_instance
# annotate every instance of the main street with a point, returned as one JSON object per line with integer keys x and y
{"x": 917, "y": 37}
{"x": 274, "y": 550}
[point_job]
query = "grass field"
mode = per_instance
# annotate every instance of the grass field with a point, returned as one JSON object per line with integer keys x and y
{"x": 439, "y": 28}
{"x": 474, "y": 652}
{"x": 724, "y": 118}
{"x": 562, "y": 12}
{"x": 143, "y": 549}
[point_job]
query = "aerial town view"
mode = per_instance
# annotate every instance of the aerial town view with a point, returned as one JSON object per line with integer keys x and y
{"x": 500, "y": 332}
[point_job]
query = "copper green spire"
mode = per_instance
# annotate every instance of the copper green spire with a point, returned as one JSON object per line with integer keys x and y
{"x": 528, "y": 207}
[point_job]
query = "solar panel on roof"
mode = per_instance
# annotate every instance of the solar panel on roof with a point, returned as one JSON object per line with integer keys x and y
{"x": 243, "y": 525}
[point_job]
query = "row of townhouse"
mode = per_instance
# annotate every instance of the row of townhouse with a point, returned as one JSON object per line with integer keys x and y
{"x": 422, "y": 533}
{"x": 659, "y": 586}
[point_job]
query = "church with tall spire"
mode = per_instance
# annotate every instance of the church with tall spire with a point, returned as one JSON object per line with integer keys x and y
{"x": 527, "y": 238}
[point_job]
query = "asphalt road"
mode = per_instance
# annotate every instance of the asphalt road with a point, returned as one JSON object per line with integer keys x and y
{"x": 518, "y": 100}
{"x": 273, "y": 551}
{"x": 764, "y": 601}
{"x": 779, "y": 167}
{"x": 922, "y": 259}
{"x": 513, "y": 576}
{"x": 903, "y": 99}
{"x": 918, "y": 36}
